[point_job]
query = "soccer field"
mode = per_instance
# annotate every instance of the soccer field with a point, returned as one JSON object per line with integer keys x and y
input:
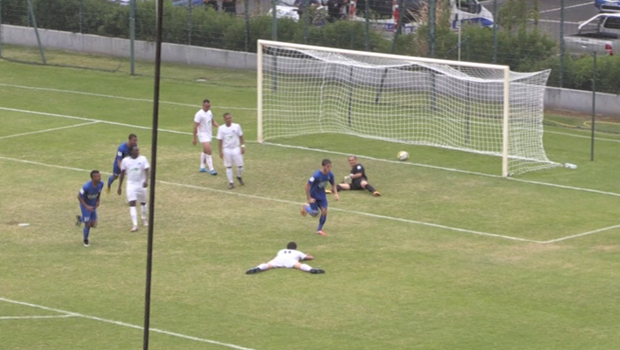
{"x": 451, "y": 256}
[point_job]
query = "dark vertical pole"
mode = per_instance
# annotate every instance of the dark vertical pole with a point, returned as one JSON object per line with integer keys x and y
{"x": 81, "y": 16}
{"x": 190, "y": 21}
{"x": 431, "y": 28}
{"x": 149, "y": 252}
{"x": 593, "y": 106}
{"x": 401, "y": 13}
{"x": 367, "y": 21}
{"x": 562, "y": 47}
{"x": 132, "y": 37}
{"x": 274, "y": 27}
{"x": 306, "y": 15}
{"x": 495, "y": 31}
{"x": 36, "y": 30}
{"x": 0, "y": 28}
{"x": 246, "y": 5}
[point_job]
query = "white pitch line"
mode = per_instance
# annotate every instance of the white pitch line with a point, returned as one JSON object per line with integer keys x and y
{"x": 414, "y": 222}
{"x": 33, "y": 317}
{"x": 581, "y": 234}
{"x": 119, "y": 323}
{"x": 323, "y": 151}
{"x": 116, "y": 97}
{"x": 48, "y": 130}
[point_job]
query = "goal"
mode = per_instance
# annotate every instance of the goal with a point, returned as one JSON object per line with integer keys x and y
{"x": 471, "y": 107}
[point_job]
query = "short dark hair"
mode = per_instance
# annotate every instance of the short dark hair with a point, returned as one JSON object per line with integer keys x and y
{"x": 291, "y": 245}
{"x": 325, "y": 162}
{"x": 206, "y": 100}
{"x": 93, "y": 173}
{"x": 132, "y": 136}
{"x": 225, "y": 114}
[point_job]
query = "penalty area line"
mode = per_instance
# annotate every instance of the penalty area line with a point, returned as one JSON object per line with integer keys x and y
{"x": 124, "y": 324}
{"x": 421, "y": 223}
{"x": 48, "y": 130}
{"x": 34, "y": 317}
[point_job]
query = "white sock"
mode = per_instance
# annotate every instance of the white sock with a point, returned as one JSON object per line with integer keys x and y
{"x": 263, "y": 267}
{"x": 210, "y": 161}
{"x": 229, "y": 175}
{"x": 144, "y": 217}
{"x": 203, "y": 160}
{"x": 305, "y": 267}
{"x": 134, "y": 215}
{"x": 240, "y": 171}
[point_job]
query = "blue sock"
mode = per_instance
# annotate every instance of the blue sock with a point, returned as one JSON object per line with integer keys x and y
{"x": 86, "y": 231}
{"x": 110, "y": 180}
{"x": 322, "y": 220}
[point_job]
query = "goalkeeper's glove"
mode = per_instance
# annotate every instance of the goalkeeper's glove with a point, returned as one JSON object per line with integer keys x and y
{"x": 347, "y": 179}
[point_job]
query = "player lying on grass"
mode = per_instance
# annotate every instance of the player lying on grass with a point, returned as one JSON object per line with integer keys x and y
{"x": 289, "y": 258}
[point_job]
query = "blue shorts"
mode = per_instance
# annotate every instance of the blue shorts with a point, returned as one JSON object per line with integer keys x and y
{"x": 318, "y": 203}
{"x": 88, "y": 216}
{"x": 116, "y": 170}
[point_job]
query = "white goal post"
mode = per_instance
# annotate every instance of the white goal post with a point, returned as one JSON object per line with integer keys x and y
{"x": 472, "y": 107}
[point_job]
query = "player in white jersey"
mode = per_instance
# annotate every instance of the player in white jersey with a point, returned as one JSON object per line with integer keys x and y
{"x": 136, "y": 169}
{"x": 232, "y": 148}
{"x": 203, "y": 123}
{"x": 289, "y": 258}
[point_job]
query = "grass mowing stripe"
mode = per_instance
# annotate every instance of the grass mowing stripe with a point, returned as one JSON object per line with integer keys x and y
{"x": 118, "y": 323}
{"x": 415, "y": 222}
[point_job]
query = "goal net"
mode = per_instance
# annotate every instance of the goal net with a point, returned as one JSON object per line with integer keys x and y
{"x": 472, "y": 107}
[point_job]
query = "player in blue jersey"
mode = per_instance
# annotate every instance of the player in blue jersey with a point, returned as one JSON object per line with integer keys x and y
{"x": 89, "y": 197}
{"x": 122, "y": 152}
{"x": 315, "y": 191}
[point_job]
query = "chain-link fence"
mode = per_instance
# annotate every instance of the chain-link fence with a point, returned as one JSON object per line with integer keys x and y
{"x": 510, "y": 34}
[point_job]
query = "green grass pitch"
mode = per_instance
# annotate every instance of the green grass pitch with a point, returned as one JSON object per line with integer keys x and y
{"x": 451, "y": 256}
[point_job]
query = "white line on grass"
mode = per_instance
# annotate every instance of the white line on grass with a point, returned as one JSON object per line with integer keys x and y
{"x": 330, "y": 152}
{"x": 89, "y": 119}
{"x": 48, "y": 130}
{"x": 116, "y": 97}
{"x": 33, "y": 317}
{"x": 118, "y": 323}
{"x": 581, "y": 234}
{"x": 377, "y": 216}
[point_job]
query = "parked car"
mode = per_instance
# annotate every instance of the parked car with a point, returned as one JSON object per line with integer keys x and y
{"x": 600, "y": 34}
{"x": 607, "y": 5}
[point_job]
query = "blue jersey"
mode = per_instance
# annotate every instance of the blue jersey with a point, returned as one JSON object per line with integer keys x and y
{"x": 122, "y": 152}
{"x": 318, "y": 182}
{"x": 90, "y": 193}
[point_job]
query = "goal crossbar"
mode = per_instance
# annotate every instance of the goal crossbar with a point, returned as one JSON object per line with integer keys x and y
{"x": 468, "y": 106}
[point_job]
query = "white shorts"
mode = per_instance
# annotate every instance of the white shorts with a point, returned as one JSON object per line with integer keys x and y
{"x": 203, "y": 137}
{"x": 233, "y": 156}
{"x": 283, "y": 262}
{"x": 135, "y": 193}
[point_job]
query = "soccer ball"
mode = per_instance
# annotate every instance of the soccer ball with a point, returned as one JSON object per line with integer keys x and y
{"x": 403, "y": 155}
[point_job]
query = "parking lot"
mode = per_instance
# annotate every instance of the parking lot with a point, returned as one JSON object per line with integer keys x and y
{"x": 575, "y": 12}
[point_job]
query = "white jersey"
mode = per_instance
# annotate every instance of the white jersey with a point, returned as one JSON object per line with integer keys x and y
{"x": 287, "y": 258}
{"x": 229, "y": 135}
{"x": 205, "y": 122}
{"x": 135, "y": 170}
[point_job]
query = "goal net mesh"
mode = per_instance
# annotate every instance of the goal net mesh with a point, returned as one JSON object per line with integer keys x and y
{"x": 397, "y": 99}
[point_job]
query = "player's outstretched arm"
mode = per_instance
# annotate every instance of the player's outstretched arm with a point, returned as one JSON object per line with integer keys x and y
{"x": 309, "y": 257}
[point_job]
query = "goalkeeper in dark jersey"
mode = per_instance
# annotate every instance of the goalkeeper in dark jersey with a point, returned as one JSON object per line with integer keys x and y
{"x": 358, "y": 179}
